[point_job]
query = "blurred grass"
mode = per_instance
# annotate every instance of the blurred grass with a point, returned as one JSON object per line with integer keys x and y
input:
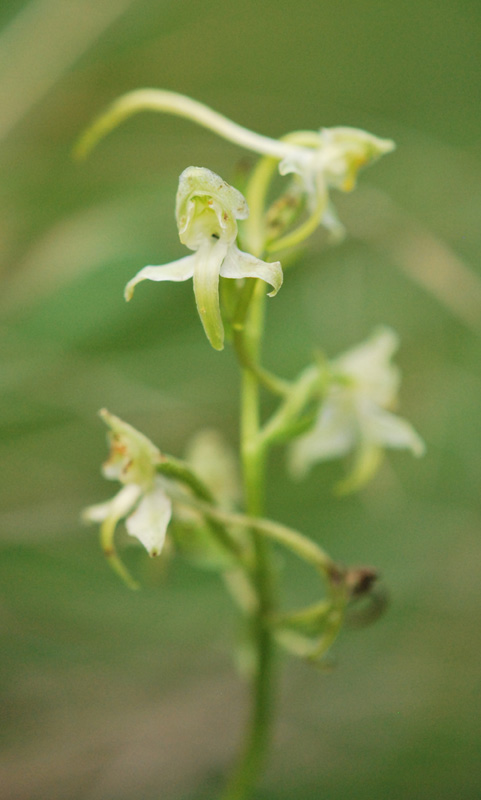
{"x": 111, "y": 694}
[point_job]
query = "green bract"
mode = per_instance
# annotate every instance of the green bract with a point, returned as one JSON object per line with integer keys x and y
{"x": 207, "y": 210}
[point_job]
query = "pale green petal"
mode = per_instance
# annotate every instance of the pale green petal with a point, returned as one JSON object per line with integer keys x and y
{"x": 98, "y": 512}
{"x": 311, "y": 178}
{"x": 388, "y": 430}
{"x": 208, "y": 260}
{"x": 292, "y": 165}
{"x": 242, "y": 265}
{"x": 369, "y": 366}
{"x": 180, "y": 270}
{"x": 379, "y": 429}
{"x": 109, "y": 515}
{"x": 132, "y": 456}
{"x": 150, "y": 519}
{"x": 366, "y": 463}
{"x": 346, "y": 151}
{"x": 333, "y": 224}
{"x": 114, "y": 509}
{"x": 333, "y": 436}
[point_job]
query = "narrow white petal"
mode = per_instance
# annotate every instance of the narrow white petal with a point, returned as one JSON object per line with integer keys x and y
{"x": 180, "y": 270}
{"x": 331, "y": 221}
{"x": 116, "y": 508}
{"x": 388, "y": 430}
{"x": 242, "y": 265}
{"x": 150, "y": 519}
{"x": 291, "y": 164}
{"x": 98, "y": 512}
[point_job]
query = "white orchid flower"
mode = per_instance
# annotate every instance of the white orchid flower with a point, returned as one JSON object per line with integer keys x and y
{"x": 324, "y": 159}
{"x": 331, "y": 159}
{"x": 142, "y": 501}
{"x": 355, "y": 415}
{"x": 207, "y": 210}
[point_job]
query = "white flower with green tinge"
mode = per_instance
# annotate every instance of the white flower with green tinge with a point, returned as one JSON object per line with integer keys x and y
{"x": 207, "y": 210}
{"x": 142, "y": 501}
{"x": 331, "y": 159}
{"x": 355, "y": 414}
{"x": 323, "y": 159}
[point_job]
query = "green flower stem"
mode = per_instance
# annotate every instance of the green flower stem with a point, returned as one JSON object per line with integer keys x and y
{"x": 178, "y": 470}
{"x": 332, "y": 609}
{"x": 307, "y": 387}
{"x": 310, "y": 615}
{"x": 179, "y": 105}
{"x": 267, "y": 379}
{"x": 295, "y": 541}
{"x": 247, "y": 330}
{"x": 252, "y": 756}
{"x": 253, "y": 229}
{"x": 243, "y": 347}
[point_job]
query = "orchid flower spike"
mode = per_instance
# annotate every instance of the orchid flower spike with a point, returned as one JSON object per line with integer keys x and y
{"x": 207, "y": 210}
{"x": 142, "y": 500}
{"x": 355, "y": 415}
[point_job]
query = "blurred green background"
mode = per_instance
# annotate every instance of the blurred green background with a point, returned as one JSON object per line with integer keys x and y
{"x": 113, "y": 695}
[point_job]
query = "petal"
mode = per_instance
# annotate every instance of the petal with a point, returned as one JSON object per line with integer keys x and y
{"x": 333, "y": 436}
{"x": 180, "y": 270}
{"x": 388, "y": 430}
{"x": 366, "y": 462}
{"x": 310, "y": 172}
{"x": 132, "y": 456}
{"x": 290, "y": 165}
{"x": 347, "y": 150}
{"x": 208, "y": 260}
{"x": 202, "y": 182}
{"x": 333, "y": 224}
{"x": 369, "y": 364}
{"x": 109, "y": 515}
{"x": 150, "y": 519}
{"x": 242, "y": 265}
{"x": 113, "y": 509}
